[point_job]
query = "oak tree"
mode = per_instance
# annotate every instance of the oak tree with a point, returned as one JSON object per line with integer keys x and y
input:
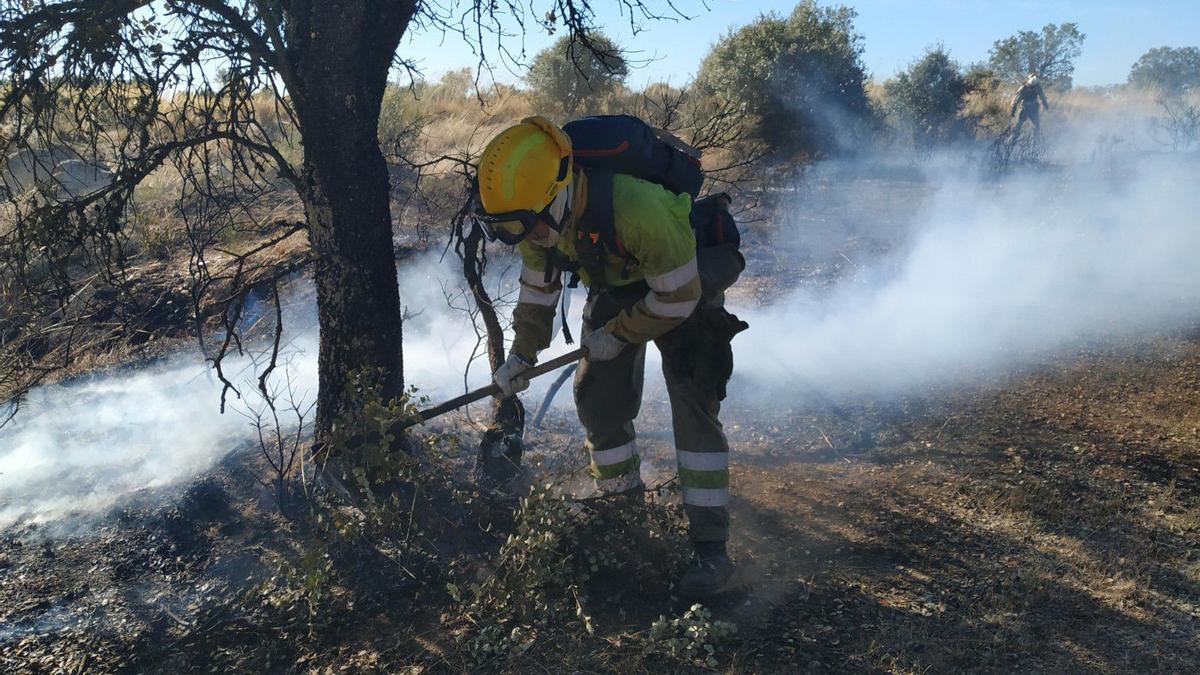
{"x": 243, "y": 100}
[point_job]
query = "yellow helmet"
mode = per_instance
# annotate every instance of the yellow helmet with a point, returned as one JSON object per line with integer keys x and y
{"x": 524, "y": 167}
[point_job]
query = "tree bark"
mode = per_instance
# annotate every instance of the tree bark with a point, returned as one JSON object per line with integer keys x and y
{"x": 339, "y": 55}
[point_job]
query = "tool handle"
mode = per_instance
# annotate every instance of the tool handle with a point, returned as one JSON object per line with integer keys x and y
{"x": 492, "y": 389}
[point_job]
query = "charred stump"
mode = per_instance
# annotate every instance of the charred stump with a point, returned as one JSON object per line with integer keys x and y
{"x": 500, "y": 449}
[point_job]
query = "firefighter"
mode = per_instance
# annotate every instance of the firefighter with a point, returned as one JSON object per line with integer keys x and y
{"x": 531, "y": 196}
{"x": 1027, "y": 97}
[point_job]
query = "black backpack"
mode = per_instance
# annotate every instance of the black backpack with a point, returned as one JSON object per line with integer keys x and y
{"x": 625, "y": 144}
{"x": 603, "y": 145}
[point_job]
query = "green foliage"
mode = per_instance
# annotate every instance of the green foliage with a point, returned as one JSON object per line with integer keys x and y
{"x": 1050, "y": 54}
{"x": 979, "y": 77}
{"x": 399, "y": 120}
{"x": 370, "y": 458}
{"x": 801, "y": 76}
{"x": 1173, "y": 71}
{"x": 986, "y": 105}
{"x": 574, "y": 70}
{"x": 363, "y": 439}
{"x": 562, "y": 558}
{"x": 927, "y": 99}
{"x": 695, "y": 635}
{"x": 306, "y": 582}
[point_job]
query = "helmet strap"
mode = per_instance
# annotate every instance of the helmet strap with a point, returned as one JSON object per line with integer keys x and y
{"x": 559, "y": 210}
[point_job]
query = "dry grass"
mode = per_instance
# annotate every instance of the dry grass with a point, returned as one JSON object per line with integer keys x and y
{"x": 1082, "y": 102}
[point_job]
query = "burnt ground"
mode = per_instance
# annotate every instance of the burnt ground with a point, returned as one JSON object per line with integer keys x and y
{"x": 1043, "y": 521}
{"x": 1047, "y": 522}
{"x": 1050, "y": 523}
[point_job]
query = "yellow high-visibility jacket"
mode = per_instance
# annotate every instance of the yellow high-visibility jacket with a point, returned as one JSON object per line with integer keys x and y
{"x": 653, "y": 226}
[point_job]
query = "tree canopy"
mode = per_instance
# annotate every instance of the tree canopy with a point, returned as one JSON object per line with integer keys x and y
{"x": 1050, "y": 54}
{"x": 1172, "y": 70}
{"x": 573, "y": 70}
{"x": 801, "y": 75}
{"x": 926, "y": 99}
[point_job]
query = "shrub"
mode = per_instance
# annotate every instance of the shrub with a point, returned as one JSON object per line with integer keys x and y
{"x": 399, "y": 119}
{"x": 694, "y": 636}
{"x": 563, "y": 560}
{"x": 576, "y": 69}
{"x": 985, "y": 104}
{"x": 801, "y": 76}
{"x": 1179, "y": 124}
{"x": 1173, "y": 71}
{"x": 927, "y": 99}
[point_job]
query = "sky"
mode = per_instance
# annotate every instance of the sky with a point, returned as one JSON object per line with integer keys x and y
{"x": 896, "y": 32}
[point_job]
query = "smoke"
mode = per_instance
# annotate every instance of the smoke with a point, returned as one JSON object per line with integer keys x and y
{"x": 993, "y": 275}
{"x": 81, "y": 448}
{"x": 978, "y": 276}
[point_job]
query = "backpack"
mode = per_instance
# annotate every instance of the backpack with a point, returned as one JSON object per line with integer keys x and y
{"x": 625, "y": 144}
{"x": 603, "y": 145}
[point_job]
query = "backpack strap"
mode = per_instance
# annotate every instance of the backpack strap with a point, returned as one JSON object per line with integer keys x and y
{"x": 596, "y": 230}
{"x": 556, "y": 261}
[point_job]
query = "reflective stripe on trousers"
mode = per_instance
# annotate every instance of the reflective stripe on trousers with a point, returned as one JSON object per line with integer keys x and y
{"x": 704, "y": 477}
{"x": 615, "y": 464}
{"x": 608, "y": 397}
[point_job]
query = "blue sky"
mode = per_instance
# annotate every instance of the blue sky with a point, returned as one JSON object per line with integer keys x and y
{"x": 896, "y": 32}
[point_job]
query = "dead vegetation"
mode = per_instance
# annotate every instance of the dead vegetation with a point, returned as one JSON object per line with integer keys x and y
{"x": 1035, "y": 524}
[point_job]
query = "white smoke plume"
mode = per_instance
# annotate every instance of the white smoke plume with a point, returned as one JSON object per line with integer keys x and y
{"x": 996, "y": 274}
{"x": 83, "y": 447}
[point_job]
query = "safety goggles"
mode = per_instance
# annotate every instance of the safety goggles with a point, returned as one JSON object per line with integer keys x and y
{"x": 513, "y": 227}
{"x": 509, "y": 228}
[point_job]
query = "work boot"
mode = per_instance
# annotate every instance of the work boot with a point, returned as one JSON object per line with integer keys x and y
{"x": 707, "y": 572}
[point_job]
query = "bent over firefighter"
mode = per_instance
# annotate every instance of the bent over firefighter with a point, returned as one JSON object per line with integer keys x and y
{"x": 631, "y": 242}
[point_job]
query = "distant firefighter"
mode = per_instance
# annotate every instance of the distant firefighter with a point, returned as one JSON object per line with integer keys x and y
{"x": 1027, "y": 98}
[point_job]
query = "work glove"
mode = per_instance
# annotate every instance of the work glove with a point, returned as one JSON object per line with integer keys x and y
{"x": 602, "y": 345}
{"x": 509, "y": 376}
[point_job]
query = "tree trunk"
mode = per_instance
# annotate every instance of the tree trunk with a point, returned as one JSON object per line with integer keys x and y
{"x": 358, "y": 300}
{"x": 339, "y": 56}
